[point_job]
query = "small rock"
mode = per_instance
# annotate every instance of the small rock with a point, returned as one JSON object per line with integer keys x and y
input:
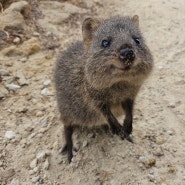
{"x": 32, "y": 135}
{"x": 36, "y": 169}
{"x": 151, "y": 177}
{"x": 44, "y": 122}
{"x": 172, "y": 105}
{"x": 29, "y": 128}
{"x": 160, "y": 67}
{"x": 41, "y": 156}
{"x": 45, "y": 92}
{"x": 24, "y": 59}
{"x": 10, "y": 134}
{"x": 35, "y": 179}
{"x": 23, "y": 81}
{"x": 36, "y": 34}
{"x": 47, "y": 82}
{"x": 148, "y": 161}
{"x": 158, "y": 152}
{"x": 13, "y": 87}
{"x": 159, "y": 140}
{"x": 48, "y": 56}
{"x": 31, "y": 172}
{"x": 171, "y": 168}
{"x": 12, "y": 18}
{"x": 31, "y": 46}
{"x": 46, "y": 164}
{"x": 15, "y": 182}
{"x": 39, "y": 113}
{"x": 33, "y": 163}
{"x": 22, "y": 109}
{"x": 3, "y": 72}
{"x": 85, "y": 143}
{"x": 16, "y": 40}
{"x": 170, "y": 132}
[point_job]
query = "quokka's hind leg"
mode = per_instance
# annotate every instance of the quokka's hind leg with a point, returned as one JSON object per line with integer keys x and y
{"x": 68, "y": 147}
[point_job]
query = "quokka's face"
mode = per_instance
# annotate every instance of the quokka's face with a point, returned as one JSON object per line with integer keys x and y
{"x": 117, "y": 50}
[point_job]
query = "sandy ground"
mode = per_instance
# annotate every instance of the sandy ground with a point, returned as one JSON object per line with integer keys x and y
{"x": 31, "y": 132}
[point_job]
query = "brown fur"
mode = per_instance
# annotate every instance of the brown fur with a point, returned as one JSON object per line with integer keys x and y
{"x": 93, "y": 85}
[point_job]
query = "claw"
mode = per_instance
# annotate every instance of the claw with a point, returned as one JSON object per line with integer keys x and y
{"x": 69, "y": 157}
{"x": 123, "y": 136}
{"x": 63, "y": 149}
{"x": 129, "y": 138}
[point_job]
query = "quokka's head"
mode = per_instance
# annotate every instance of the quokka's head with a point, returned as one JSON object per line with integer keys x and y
{"x": 115, "y": 51}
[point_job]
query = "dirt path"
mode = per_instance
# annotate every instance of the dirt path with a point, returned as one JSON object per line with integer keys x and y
{"x": 30, "y": 134}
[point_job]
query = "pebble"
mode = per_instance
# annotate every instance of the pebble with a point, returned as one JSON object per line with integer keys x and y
{"x": 158, "y": 152}
{"x": 29, "y": 128}
{"x": 46, "y": 164}
{"x": 24, "y": 59}
{"x": 35, "y": 179}
{"x": 170, "y": 132}
{"x": 45, "y": 92}
{"x": 172, "y": 105}
{"x": 36, "y": 34}
{"x": 171, "y": 168}
{"x": 36, "y": 169}
{"x": 10, "y": 134}
{"x": 33, "y": 163}
{"x": 41, "y": 156}
{"x": 13, "y": 87}
{"x": 14, "y": 182}
{"x": 16, "y": 40}
{"x": 159, "y": 140}
{"x": 148, "y": 161}
{"x": 23, "y": 81}
{"x": 31, "y": 172}
{"x": 44, "y": 122}
{"x": 32, "y": 135}
{"x": 46, "y": 83}
{"x": 160, "y": 67}
{"x": 39, "y": 113}
{"x": 151, "y": 177}
{"x": 4, "y": 72}
{"x": 85, "y": 143}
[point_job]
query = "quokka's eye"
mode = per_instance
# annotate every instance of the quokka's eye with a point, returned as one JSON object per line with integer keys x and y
{"x": 137, "y": 40}
{"x": 105, "y": 43}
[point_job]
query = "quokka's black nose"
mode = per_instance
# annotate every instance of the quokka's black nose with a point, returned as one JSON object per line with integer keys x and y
{"x": 127, "y": 54}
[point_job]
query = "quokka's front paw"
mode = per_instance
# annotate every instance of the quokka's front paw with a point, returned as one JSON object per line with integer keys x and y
{"x": 126, "y": 134}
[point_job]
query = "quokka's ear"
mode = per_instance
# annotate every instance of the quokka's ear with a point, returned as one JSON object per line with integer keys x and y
{"x": 89, "y": 26}
{"x": 135, "y": 18}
